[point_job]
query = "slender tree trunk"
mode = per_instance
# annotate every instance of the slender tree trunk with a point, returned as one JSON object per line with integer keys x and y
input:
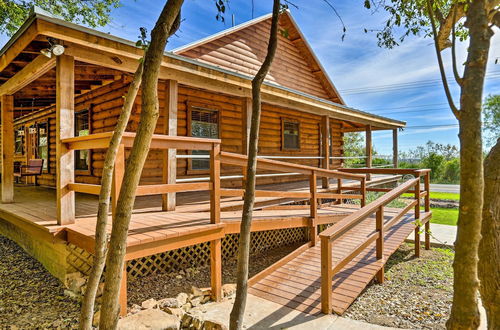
{"x": 464, "y": 311}
{"x": 489, "y": 248}
{"x": 166, "y": 25}
{"x": 236, "y": 318}
{"x": 101, "y": 241}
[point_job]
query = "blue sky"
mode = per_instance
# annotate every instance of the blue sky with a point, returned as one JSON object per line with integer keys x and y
{"x": 401, "y": 83}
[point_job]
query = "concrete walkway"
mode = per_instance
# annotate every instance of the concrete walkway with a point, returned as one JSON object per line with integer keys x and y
{"x": 440, "y": 235}
{"x": 264, "y": 314}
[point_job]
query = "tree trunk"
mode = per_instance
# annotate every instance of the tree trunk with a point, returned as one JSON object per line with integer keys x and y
{"x": 489, "y": 248}
{"x": 166, "y": 25}
{"x": 236, "y": 318}
{"x": 101, "y": 241}
{"x": 464, "y": 311}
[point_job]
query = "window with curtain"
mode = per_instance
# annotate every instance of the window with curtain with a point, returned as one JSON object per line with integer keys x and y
{"x": 43, "y": 144}
{"x": 204, "y": 124}
{"x": 19, "y": 141}
{"x": 291, "y": 135}
{"x": 82, "y": 128}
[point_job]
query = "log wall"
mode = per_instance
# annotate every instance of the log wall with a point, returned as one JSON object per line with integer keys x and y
{"x": 105, "y": 104}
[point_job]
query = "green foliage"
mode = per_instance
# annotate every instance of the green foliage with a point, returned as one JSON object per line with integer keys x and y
{"x": 491, "y": 113}
{"x": 409, "y": 18}
{"x": 435, "y": 162}
{"x": 451, "y": 171}
{"x": 92, "y": 13}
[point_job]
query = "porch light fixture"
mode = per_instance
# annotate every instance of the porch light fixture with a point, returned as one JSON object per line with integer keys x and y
{"x": 55, "y": 48}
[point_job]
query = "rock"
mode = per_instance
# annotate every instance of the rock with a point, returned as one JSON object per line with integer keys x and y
{"x": 200, "y": 292}
{"x": 179, "y": 312}
{"x": 97, "y": 317}
{"x": 75, "y": 281}
{"x": 187, "y": 307}
{"x": 72, "y": 295}
{"x": 205, "y": 299}
{"x": 228, "y": 289}
{"x": 196, "y": 323}
{"x": 169, "y": 302}
{"x": 135, "y": 309}
{"x": 182, "y": 298}
{"x": 186, "y": 320}
{"x": 213, "y": 325}
{"x": 195, "y": 301}
{"x": 151, "y": 319}
{"x": 179, "y": 277}
{"x": 150, "y": 303}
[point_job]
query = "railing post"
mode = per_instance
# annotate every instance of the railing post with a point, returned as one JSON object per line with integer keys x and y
{"x": 339, "y": 191}
{"x": 215, "y": 245}
{"x": 417, "y": 217}
{"x": 118, "y": 174}
{"x": 326, "y": 275}
{"x": 379, "y": 223}
{"x": 7, "y": 138}
{"x": 368, "y": 149}
{"x": 363, "y": 192}
{"x": 427, "y": 187}
{"x": 325, "y": 146}
{"x": 313, "y": 201}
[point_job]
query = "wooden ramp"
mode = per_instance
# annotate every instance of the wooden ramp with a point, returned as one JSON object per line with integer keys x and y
{"x": 295, "y": 281}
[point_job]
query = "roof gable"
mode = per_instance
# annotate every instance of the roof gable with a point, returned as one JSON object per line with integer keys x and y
{"x": 244, "y": 47}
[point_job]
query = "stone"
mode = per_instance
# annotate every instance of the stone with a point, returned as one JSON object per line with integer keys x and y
{"x": 72, "y": 295}
{"x": 179, "y": 312}
{"x": 179, "y": 277}
{"x": 196, "y": 323}
{"x": 228, "y": 289}
{"x": 75, "y": 281}
{"x": 150, "y": 303}
{"x": 96, "y": 319}
{"x": 206, "y": 299}
{"x": 135, "y": 309}
{"x": 187, "y": 307}
{"x": 151, "y": 319}
{"x": 186, "y": 320}
{"x": 182, "y": 298}
{"x": 200, "y": 292}
{"x": 195, "y": 301}
{"x": 169, "y": 302}
{"x": 213, "y": 325}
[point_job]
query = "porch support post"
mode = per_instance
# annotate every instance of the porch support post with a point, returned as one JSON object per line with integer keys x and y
{"x": 7, "y": 148}
{"x": 368, "y": 149}
{"x": 395, "y": 148}
{"x": 325, "y": 139}
{"x": 65, "y": 128}
{"x": 170, "y": 155}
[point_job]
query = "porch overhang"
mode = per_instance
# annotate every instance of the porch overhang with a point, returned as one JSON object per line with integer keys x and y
{"x": 94, "y": 47}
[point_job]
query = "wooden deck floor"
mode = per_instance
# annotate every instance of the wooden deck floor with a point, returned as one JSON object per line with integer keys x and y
{"x": 296, "y": 283}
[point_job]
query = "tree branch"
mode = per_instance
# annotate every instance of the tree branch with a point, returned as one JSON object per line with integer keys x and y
{"x": 440, "y": 62}
{"x": 458, "y": 79}
{"x": 446, "y": 24}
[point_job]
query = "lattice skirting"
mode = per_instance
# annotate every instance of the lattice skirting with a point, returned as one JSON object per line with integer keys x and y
{"x": 79, "y": 259}
{"x": 199, "y": 254}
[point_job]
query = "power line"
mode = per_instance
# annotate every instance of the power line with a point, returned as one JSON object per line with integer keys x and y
{"x": 432, "y": 126}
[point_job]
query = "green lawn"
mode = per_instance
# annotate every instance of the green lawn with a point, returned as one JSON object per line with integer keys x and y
{"x": 444, "y": 216}
{"x": 440, "y": 195}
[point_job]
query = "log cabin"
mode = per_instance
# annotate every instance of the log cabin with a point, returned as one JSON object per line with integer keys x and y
{"x": 62, "y": 88}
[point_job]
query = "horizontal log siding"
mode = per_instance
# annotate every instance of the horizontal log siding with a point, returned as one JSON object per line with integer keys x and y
{"x": 244, "y": 51}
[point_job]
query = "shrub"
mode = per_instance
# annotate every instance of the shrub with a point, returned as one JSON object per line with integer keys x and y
{"x": 451, "y": 171}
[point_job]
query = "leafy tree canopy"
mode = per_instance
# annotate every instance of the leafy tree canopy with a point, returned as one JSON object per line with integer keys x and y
{"x": 89, "y": 12}
{"x": 491, "y": 112}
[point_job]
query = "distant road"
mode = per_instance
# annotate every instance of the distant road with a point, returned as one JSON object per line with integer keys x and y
{"x": 449, "y": 188}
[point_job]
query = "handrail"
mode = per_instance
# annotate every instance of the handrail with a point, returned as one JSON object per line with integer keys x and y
{"x": 331, "y": 234}
{"x": 371, "y": 170}
{"x": 355, "y": 218}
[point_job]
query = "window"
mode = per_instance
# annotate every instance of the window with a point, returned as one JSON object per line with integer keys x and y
{"x": 19, "y": 141}
{"x": 204, "y": 124}
{"x": 43, "y": 144}
{"x": 82, "y": 157}
{"x": 291, "y": 135}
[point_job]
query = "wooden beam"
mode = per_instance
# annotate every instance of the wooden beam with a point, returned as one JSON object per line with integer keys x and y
{"x": 247, "y": 122}
{"x": 215, "y": 192}
{"x": 368, "y": 148}
{"x": 395, "y": 148}
{"x": 325, "y": 146}
{"x": 32, "y": 71}
{"x": 170, "y": 155}
{"x": 7, "y": 117}
{"x": 18, "y": 46}
{"x": 216, "y": 269}
{"x": 65, "y": 128}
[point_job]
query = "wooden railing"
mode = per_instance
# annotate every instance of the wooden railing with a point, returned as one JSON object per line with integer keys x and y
{"x": 328, "y": 236}
{"x": 101, "y": 141}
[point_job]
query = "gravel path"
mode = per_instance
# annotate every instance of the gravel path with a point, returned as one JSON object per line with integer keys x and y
{"x": 30, "y": 297}
{"x": 417, "y": 292}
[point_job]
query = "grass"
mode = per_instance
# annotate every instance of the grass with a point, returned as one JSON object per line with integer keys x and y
{"x": 444, "y": 216}
{"x": 439, "y": 195}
